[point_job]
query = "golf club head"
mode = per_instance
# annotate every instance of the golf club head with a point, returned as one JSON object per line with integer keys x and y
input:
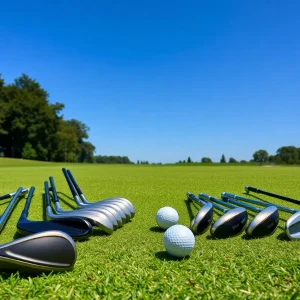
{"x": 50, "y": 251}
{"x": 292, "y": 226}
{"x": 264, "y": 223}
{"x": 203, "y": 219}
{"x": 230, "y": 224}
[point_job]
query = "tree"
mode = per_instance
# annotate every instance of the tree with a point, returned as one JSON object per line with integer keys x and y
{"x": 232, "y": 160}
{"x": 288, "y": 154}
{"x": 206, "y": 160}
{"x": 189, "y": 160}
{"x": 28, "y": 152}
{"x": 261, "y": 156}
{"x": 223, "y": 159}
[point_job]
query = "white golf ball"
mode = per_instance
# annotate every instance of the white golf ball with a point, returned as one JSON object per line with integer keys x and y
{"x": 179, "y": 241}
{"x": 166, "y": 217}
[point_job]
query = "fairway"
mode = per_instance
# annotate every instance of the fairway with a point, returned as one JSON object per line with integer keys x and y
{"x": 132, "y": 263}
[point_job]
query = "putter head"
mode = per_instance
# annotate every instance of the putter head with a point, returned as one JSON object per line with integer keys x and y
{"x": 230, "y": 224}
{"x": 292, "y": 226}
{"x": 203, "y": 219}
{"x": 264, "y": 223}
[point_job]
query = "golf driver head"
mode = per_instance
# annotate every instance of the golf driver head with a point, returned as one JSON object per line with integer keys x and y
{"x": 203, "y": 219}
{"x": 292, "y": 226}
{"x": 264, "y": 223}
{"x": 50, "y": 251}
{"x": 232, "y": 223}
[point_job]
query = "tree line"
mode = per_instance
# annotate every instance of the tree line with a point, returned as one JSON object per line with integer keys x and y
{"x": 33, "y": 128}
{"x": 283, "y": 155}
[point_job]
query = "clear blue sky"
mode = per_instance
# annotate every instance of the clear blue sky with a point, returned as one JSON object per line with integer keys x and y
{"x": 164, "y": 80}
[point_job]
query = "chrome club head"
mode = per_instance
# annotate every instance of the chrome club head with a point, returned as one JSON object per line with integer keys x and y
{"x": 203, "y": 219}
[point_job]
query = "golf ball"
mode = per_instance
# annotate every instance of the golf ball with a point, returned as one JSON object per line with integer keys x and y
{"x": 166, "y": 217}
{"x": 179, "y": 241}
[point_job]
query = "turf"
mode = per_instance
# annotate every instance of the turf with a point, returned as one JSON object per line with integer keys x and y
{"x": 132, "y": 263}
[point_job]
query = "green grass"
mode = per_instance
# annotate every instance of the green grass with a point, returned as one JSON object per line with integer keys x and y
{"x": 132, "y": 262}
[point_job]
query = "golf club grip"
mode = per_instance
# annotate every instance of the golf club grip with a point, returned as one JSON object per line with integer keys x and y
{"x": 256, "y": 190}
{"x": 47, "y": 197}
{"x": 5, "y": 216}
{"x": 78, "y": 189}
{"x": 53, "y": 188}
{"x": 194, "y": 198}
{"x": 28, "y": 200}
{"x": 73, "y": 191}
{"x": 6, "y": 196}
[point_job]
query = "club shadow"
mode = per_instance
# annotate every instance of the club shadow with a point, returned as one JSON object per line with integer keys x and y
{"x": 188, "y": 204}
{"x": 164, "y": 255}
{"x": 156, "y": 229}
{"x": 283, "y": 237}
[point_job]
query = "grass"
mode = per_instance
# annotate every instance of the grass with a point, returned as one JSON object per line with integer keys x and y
{"x": 132, "y": 263}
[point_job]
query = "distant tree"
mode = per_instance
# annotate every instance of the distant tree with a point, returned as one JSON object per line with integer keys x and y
{"x": 243, "y": 161}
{"x": 206, "y": 160}
{"x": 223, "y": 159}
{"x": 138, "y": 162}
{"x": 180, "y": 162}
{"x": 232, "y": 160}
{"x": 189, "y": 160}
{"x": 288, "y": 154}
{"x": 28, "y": 152}
{"x": 261, "y": 156}
{"x": 184, "y": 161}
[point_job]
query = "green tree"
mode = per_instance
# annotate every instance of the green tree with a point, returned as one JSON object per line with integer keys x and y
{"x": 288, "y": 154}
{"x": 28, "y": 152}
{"x": 206, "y": 160}
{"x": 232, "y": 160}
{"x": 223, "y": 159}
{"x": 261, "y": 156}
{"x": 189, "y": 160}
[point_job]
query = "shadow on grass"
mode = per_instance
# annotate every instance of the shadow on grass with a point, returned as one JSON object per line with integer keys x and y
{"x": 164, "y": 255}
{"x": 283, "y": 237}
{"x": 157, "y": 229}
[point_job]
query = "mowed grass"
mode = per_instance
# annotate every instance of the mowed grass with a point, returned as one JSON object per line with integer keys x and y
{"x": 132, "y": 262}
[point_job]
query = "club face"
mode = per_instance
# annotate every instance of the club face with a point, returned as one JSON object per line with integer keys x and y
{"x": 203, "y": 219}
{"x": 264, "y": 223}
{"x": 56, "y": 252}
{"x": 77, "y": 228}
{"x": 292, "y": 226}
{"x": 230, "y": 224}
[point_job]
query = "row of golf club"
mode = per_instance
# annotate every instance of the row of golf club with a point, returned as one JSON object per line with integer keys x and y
{"x": 49, "y": 246}
{"x": 234, "y": 219}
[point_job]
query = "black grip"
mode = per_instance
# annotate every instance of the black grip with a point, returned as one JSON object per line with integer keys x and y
{"x": 78, "y": 189}
{"x": 53, "y": 189}
{"x": 256, "y": 190}
{"x": 47, "y": 195}
{"x": 73, "y": 191}
{"x": 6, "y": 196}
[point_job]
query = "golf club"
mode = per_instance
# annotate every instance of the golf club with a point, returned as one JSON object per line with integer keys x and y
{"x": 41, "y": 252}
{"x": 77, "y": 228}
{"x": 264, "y": 223}
{"x": 94, "y": 218}
{"x": 7, "y": 196}
{"x": 108, "y": 212}
{"x": 118, "y": 204}
{"x": 258, "y": 191}
{"x": 232, "y": 223}
{"x": 125, "y": 202}
{"x": 292, "y": 225}
{"x": 204, "y": 217}
{"x": 50, "y": 251}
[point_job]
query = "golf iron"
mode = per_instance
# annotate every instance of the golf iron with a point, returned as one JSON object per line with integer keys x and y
{"x": 49, "y": 251}
{"x": 77, "y": 228}
{"x": 232, "y": 223}
{"x": 202, "y": 221}
{"x": 124, "y": 203}
{"x": 292, "y": 225}
{"x": 264, "y": 223}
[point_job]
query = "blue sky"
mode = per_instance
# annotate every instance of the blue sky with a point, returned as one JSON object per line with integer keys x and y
{"x": 164, "y": 80}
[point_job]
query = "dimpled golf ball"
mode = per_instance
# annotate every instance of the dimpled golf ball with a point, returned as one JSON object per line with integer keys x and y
{"x": 179, "y": 241}
{"x": 166, "y": 217}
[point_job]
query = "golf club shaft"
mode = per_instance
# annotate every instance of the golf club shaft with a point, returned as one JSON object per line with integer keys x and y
{"x": 256, "y": 190}
{"x": 227, "y": 199}
{"x": 262, "y": 203}
{"x": 206, "y": 197}
{"x": 194, "y": 198}
{"x": 216, "y": 200}
{"x": 10, "y": 195}
{"x": 9, "y": 208}
{"x": 28, "y": 200}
